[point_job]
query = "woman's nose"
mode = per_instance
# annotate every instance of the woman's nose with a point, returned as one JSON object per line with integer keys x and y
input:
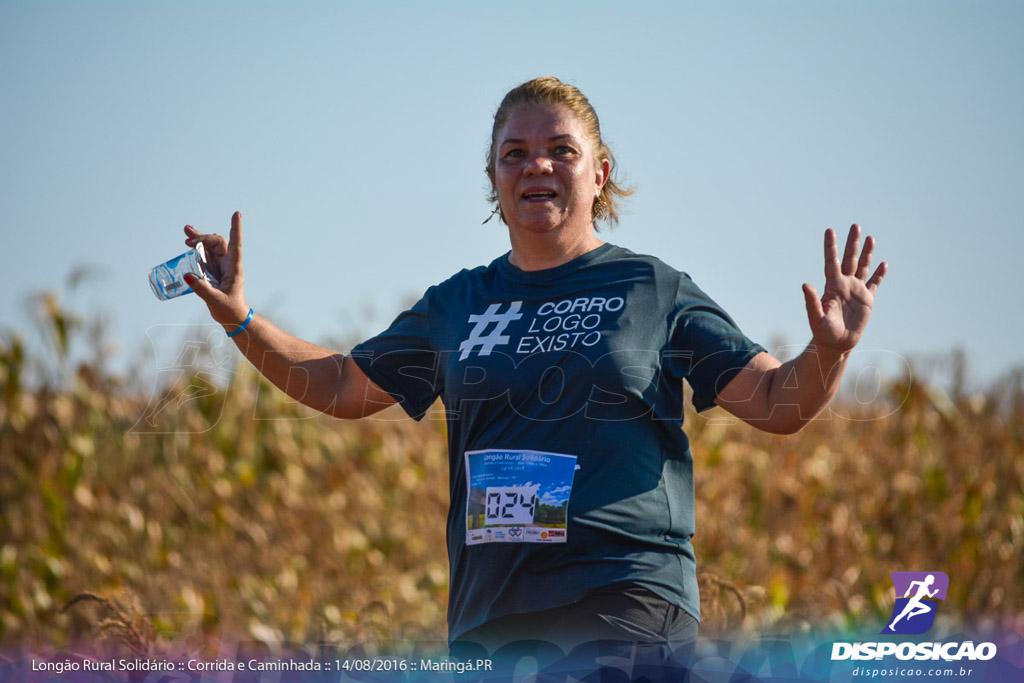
{"x": 538, "y": 164}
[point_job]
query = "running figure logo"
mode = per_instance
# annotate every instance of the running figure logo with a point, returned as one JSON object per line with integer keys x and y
{"x": 912, "y": 615}
{"x": 488, "y": 342}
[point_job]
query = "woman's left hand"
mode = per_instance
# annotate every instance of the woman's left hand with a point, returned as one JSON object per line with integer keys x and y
{"x": 839, "y": 316}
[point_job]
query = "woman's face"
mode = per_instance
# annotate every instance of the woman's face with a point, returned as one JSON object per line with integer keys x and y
{"x": 545, "y": 172}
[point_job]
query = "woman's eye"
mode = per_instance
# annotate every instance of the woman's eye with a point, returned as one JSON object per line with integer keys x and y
{"x": 563, "y": 150}
{"x": 513, "y": 154}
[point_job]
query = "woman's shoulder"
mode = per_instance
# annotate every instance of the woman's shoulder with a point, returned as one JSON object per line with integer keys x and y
{"x": 658, "y": 267}
{"x": 466, "y": 279}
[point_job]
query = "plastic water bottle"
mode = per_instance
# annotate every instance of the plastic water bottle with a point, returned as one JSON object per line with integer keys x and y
{"x": 168, "y": 279}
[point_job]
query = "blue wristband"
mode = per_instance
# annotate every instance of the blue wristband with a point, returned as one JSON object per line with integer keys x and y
{"x": 242, "y": 326}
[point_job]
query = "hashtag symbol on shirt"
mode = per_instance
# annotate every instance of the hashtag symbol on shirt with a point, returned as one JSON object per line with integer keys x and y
{"x": 488, "y": 342}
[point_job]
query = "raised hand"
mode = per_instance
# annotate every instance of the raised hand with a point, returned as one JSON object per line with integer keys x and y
{"x": 226, "y": 301}
{"x": 839, "y": 316}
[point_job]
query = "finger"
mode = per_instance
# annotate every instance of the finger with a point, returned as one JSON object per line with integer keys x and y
{"x": 813, "y": 302}
{"x": 203, "y": 289}
{"x": 864, "y": 265}
{"x": 235, "y": 244}
{"x": 876, "y": 279}
{"x": 192, "y": 235}
{"x": 217, "y": 244}
{"x": 831, "y": 255}
{"x": 852, "y": 246}
{"x": 212, "y": 242}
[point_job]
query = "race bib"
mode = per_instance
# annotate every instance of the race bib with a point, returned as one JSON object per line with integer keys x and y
{"x": 517, "y": 496}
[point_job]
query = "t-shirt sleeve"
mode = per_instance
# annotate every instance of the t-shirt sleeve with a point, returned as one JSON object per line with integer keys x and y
{"x": 402, "y": 361}
{"x": 708, "y": 348}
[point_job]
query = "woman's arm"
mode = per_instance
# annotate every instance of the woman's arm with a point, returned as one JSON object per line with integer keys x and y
{"x": 783, "y": 397}
{"x": 318, "y": 377}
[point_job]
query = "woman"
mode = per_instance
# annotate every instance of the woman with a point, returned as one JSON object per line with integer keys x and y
{"x": 561, "y": 367}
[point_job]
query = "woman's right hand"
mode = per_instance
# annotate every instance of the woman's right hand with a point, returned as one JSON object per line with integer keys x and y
{"x": 226, "y": 301}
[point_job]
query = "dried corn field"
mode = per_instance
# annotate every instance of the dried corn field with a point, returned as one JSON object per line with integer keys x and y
{"x": 225, "y": 511}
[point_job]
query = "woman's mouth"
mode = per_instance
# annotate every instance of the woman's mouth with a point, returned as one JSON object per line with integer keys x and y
{"x": 539, "y": 195}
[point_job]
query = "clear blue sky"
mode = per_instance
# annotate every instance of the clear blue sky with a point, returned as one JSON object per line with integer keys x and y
{"x": 351, "y": 136}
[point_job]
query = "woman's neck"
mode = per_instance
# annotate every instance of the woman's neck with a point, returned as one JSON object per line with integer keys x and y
{"x": 541, "y": 252}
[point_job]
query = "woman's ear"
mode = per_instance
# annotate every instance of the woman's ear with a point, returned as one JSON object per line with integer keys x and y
{"x": 604, "y": 171}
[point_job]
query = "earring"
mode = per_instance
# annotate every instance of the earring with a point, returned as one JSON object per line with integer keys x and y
{"x": 496, "y": 210}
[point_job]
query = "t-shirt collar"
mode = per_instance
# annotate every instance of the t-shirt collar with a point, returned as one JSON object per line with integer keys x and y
{"x": 518, "y": 275}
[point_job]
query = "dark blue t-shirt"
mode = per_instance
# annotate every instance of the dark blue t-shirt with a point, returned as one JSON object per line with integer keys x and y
{"x": 563, "y": 396}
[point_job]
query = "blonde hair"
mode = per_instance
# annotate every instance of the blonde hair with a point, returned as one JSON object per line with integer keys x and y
{"x": 550, "y": 90}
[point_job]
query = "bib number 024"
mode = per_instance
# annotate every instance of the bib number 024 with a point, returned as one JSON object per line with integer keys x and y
{"x": 510, "y": 504}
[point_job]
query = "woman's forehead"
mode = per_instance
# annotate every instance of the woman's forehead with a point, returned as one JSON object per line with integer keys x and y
{"x": 540, "y": 120}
